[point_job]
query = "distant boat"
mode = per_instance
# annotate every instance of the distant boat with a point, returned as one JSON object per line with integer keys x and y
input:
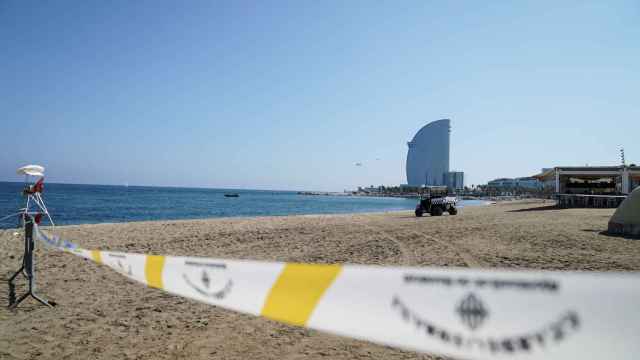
{"x": 231, "y": 195}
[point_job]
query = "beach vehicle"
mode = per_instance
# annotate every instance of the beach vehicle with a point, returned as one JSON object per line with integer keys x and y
{"x": 435, "y": 201}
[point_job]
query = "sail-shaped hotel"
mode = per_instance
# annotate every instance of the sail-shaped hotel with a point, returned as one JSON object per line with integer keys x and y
{"x": 428, "y": 156}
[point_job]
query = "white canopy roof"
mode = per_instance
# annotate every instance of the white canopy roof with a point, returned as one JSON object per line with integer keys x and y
{"x": 33, "y": 170}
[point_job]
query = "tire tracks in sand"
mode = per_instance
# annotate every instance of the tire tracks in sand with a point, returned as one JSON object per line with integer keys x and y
{"x": 460, "y": 251}
{"x": 408, "y": 255}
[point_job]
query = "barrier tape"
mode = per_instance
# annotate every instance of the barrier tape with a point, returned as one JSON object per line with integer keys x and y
{"x": 471, "y": 314}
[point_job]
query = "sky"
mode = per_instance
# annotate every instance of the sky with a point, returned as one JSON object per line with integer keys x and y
{"x": 291, "y": 95}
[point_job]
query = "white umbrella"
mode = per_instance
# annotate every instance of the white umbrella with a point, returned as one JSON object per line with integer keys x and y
{"x": 33, "y": 170}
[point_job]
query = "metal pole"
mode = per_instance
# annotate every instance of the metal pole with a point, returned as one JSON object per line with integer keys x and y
{"x": 27, "y": 269}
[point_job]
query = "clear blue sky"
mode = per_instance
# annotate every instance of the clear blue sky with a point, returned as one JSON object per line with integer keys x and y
{"x": 290, "y": 95}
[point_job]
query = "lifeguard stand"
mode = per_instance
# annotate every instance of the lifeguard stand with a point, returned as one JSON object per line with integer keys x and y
{"x": 33, "y": 194}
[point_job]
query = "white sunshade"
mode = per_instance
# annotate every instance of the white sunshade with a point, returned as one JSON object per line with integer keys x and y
{"x": 33, "y": 170}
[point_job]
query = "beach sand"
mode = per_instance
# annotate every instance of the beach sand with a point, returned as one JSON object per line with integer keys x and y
{"x": 102, "y": 315}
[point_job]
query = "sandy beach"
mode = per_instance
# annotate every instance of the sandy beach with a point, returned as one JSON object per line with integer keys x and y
{"x": 102, "y": 315}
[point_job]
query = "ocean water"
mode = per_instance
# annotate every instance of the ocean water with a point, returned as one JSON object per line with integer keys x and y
{"x": 86, "y": 204}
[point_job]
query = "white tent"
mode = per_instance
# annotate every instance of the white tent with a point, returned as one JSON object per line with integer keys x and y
{"x": 626, "y": 219}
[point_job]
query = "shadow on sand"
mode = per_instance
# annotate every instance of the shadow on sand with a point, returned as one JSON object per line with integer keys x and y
{"x": 612, "y": 235}
{"x": 425, "y": 216}
{"x": 537, "y": 208}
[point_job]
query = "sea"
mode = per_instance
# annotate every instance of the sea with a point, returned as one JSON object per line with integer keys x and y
{"x": 71, "y": 204}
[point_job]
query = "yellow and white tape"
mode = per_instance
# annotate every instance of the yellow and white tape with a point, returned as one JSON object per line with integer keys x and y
{"x": 473, "y": 314}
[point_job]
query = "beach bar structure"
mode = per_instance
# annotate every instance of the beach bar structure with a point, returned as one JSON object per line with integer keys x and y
{"x": 590, "y": 186}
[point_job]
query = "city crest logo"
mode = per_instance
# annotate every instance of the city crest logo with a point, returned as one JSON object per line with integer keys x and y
{"x": 474, "y": 313}
{"x": 212, "y": 280}
{"x": 121, "y": 265}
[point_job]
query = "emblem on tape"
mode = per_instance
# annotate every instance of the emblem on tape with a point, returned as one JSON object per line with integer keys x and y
{"x": 212, "y": 281}
{"x": 121, "y": 265}
{"x": 473, "y": 312}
